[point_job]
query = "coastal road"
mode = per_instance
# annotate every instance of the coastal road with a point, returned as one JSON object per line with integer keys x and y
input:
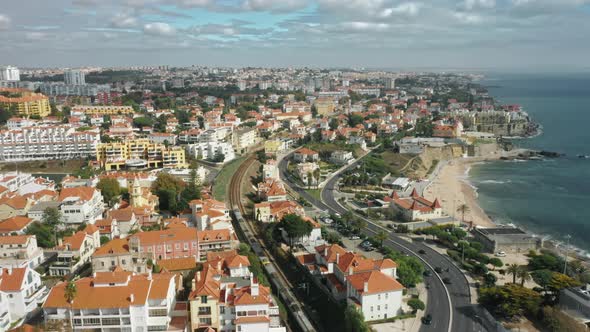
{"x": 450, "y": 305}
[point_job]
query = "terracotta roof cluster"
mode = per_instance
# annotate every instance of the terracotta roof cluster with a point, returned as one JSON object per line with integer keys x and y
{"x": 271, "y": 187}
{"x": 14, "y": 224}
{"x": 414, "y": 202}
{"x": 98, "y": 292}
{"x": 306, "y": 151}
{"x": 11, "y": 280}
{"x": 281, "y": 208}
{"x": 178, "y": 264}
{"x": 15, "y": 239}
{"x": 113, "y": 247}
{"x": 84, "y": 193}
{"x": 165, "y": 236}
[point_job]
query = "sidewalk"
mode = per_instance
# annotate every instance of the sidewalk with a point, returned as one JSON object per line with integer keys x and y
{"x": 409, "y": 324}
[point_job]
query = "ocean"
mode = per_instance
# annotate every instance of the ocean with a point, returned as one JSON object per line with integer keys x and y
{"x": 551, "y": 197}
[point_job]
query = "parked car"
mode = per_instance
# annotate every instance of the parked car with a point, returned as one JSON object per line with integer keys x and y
{"x": 427, "y": 320}
{"x": 501, "y": 254}
{"x": 427, "y": 273}
{"x": 421, "y": 252}
{"x": 438, "y": 269}
{"x": 355, "y": 237}
{"x": 446, "y": 280}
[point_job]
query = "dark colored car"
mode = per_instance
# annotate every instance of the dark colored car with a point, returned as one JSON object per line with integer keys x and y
{"x": 421, "y": 252}
{"x": 438, "y": 269}
{"x": 427, "y": 320}
{"x": 427, "y": 273}
{"x": 446, "y": 280}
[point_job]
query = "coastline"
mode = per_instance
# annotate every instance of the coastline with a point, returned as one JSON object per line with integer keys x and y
{"x": 451, "y": 186}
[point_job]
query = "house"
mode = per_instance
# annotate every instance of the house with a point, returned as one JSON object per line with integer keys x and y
{"x": 304, "y": 155}
{"x": 270, "y": 170}
{"x": 226, "y": 297}
{"x": 130, "y": 301}
{"x": 168, "y": 243}
{"x": 15, "y": 225}
{"x": 80, "y": 205}
{"x": 210, "y": 214}
{"x": 215, "y": 240}
{"x": 272, "y": 190}
{"x": 182, "y": 265}
{"x": 20, "y": 251}
{"x": 415, "y": 207}
{"x": 117, "y": 254}
{"x": 22, "y": 292}
{"x": 368, "y": 284}
{"x": 275, "y": 211}
{"x": 125, "y": 220}
{"x": 341, "y": 157}
{"x": 74, "y": 251}
{"x": 15, "y": 205}
{"x": 108, "y": 227}
{"x": 313, "y": 239}
{"x": 272, "y": 147}
{"x": 308, "y": 173}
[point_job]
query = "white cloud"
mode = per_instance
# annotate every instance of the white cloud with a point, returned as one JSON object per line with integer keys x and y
{"x": 474, "y": 4}
{"x": 274, "y": 5}
{"x": 467, "y": 18}
{"x": 4, "y": 22}
{"x": 159, "y": 29}
{"x": 406, "y": 8}
{"x": 36, "y": 35}
{"x": 124, "y": 21}
{"x": 359, "y": 27}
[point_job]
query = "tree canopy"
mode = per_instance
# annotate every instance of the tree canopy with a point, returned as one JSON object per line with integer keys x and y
{"x": 295, "y": 227}
{"x": 110, "y": 189}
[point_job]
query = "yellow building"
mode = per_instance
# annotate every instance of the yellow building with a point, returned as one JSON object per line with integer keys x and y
{"x": 140, "y": 153}
{"x": 102, "y": 110}
{"x": 25, "y": 102}
{"x": 273, "y": 146}
{"x": 325, "y": 106}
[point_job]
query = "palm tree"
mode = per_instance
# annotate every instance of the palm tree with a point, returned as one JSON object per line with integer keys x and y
{"x": 462, "y": 245}
{"x": 69, "y": 294}
{"x": 524, "y": 275}
{"x": 381, "y": 237}
{"x": 316, "y": 175}
{"x": 309, "y": 179}
{"x": 513, "y": 269}
{"x": 463, "y": 208}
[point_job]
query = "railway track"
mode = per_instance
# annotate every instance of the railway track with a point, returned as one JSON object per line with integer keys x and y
{"x": 250, "y": 235}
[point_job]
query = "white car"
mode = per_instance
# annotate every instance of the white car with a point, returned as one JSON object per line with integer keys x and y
{"x": 501, "y": 254}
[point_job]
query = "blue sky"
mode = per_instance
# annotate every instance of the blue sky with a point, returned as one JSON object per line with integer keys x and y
{"x": 455, "y": 34}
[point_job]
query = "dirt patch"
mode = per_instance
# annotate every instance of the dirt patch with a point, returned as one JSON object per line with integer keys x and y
{"x": 45, "y": 166}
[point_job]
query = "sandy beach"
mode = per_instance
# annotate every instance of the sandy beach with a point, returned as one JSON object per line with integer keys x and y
{"x": 451, "y": 187}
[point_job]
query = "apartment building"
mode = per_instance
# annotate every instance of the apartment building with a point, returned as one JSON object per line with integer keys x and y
{"x": 215, "y": 240}
{"x": 80, "y": 205}
{"x": 165, "y": 244}
{"x": 117, "y": 253}
{"x": 275, "y": 211}
{"x": 244, "y": 138}
{"x": 74, "y": 251}
{"x": 211, "y": 150}
{"x": 47, "y": 142}
{"x": 139, "y": 153}
{"x": 25, "y": 102}
{"x": 101, "y": 110}
{"x": 19, "y": 251}
{"x": 226, "y": 297}
{"x": 21, "y": 292}
{"x": 116, "y": 301}
{"x": 210, "y": 214}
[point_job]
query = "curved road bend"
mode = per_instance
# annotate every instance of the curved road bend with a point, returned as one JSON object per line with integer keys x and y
{"x": 438, "y": 301}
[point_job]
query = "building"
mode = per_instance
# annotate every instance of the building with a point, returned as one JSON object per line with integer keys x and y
{"x": 21, "y": 292}
{"x": 304, "y": 154}
{"x": 272, "y": 190}
{"x": 226, "y": 297}
{"x": 14, "y": 225}
{"x": 368, "y": 284}
{"x": 118, "y": 254}
{"x": 341, "y": 157}
{"x": 210, "y": 214}
{"x": 74, "y": 77}
{"x": 14, "y": 206}
{"x": 307, "y": 173}
{"x": 270, "y": 170}
{"x": 324, "y": 106}
{"x": 275, "y": 211}
{"x": 81, "y": 205}
{"x": 86, "y": 90}
{"x": 390, "y": 83}
{"x": 74, "y": 251}
{"x": 221, "y": 151}
{"x": 215, "y": 240}
{"x": 507, "y": 239}
{"x": 9, "y": 73}
{"x": 166, "y": 244}
{"x": 101, "y": 110}
{"x": 116, "y": 301}
{"x": 25, "y": 102}
{"x": 163, "y": 138}
{"x": 415, "y": 207}
{"x": 20, "y": 251}
{"x": 139, "y": 153}
{"x": 244, "y": 138}
{"x": 313, "y": 239}
{"x": 47, "y": 142}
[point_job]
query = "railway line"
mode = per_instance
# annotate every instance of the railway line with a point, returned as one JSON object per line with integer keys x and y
{"x": 248, "y": 234}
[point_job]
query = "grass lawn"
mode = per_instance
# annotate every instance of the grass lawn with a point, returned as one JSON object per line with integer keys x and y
{"x": 315, "y": 193}
{"x": 224, "y": 176}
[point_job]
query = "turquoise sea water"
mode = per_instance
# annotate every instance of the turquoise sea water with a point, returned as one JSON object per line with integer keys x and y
{"x": 550, "y": 197}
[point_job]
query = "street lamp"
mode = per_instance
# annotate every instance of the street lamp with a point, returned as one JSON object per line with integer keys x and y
{"x": 568, "y": 237}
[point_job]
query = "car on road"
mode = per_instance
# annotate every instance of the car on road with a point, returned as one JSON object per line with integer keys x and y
{"x": 501, "y": 254}
{"x": 427, "y": 320}
{"x": 366, "y": 243}
{"x": 427, "y": 273}
{"x": 355, "y": 237}
{"x": 438, "y": 269}
{"x": 421, "y": 252}
{"x": 447, "y": 280}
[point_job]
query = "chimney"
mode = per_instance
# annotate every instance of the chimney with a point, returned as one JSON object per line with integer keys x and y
{"x": 337, "y": 258}
{"x": 350, "y": 270}
{"x": 193, "y": 282}
{"x": 366, "y": 287}
{"x": 254, "y": 288}
{"x": 60, "y": 242}
{"x": 198, "y": 276}
{"x": 325, "y": 251}
{"x": 131, "y": 298}
{"x": 219, "y": 265}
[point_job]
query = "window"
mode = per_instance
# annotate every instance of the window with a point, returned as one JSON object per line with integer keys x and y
{"x": 379, "y": 297}
{"x": 112, "y": 263}
{"x": 386, "y": 307}
{"x": 371, "y": 308}
{"x": 111, "y": 321}
{"x": 378, "y": 308}
{"x": 186, "y": 246}
{"x": 222, "y": 309}
{"x": 205, "y": 321}
{"x": 204, "y": 310}
{"x": 203, "y": 299}
{"x": 91, "y": 321}
{"x": 102, "y": 264}
{"x": 123, "y": 262}
{"x": 386, "y": 296}
{"x": 169, "y": 248}
{"x": 177, "y": 246}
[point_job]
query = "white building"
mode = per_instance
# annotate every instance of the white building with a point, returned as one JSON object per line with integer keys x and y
{"x": 75, "y": 251}
{"x": 9, "y": 73}
{"x": 47, "y": 142}
{"x": 416, "y": 207}
{"x": 244, "y": 138}
{"x": 21, "y": 292}
{"x": 116, "y": 301}
{"x": 210, "y": 149}
{"x": 19, "y": 251}
{"x": 270, "y": 170}
{"x": 81, "y": 205}
{"x": 341, "y": 157}
{"x": 74, "y": 77}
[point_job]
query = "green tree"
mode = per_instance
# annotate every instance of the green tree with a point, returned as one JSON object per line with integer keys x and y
{"x": 168, "y": 200}
{"x": 46, "y": 236}
{"x": 167, "y": 181}
{"x": 416, "y": 304}
{"x": 354, "y": 321}
{"x": 510, "y": 300}
{"x": 104, "y": 239}
{"x": 514, "y": 270}
{"x": 191, "y": 191}
{"x": 295, "y": 227}
{"x": 70, "y": 293}
{"x": 380, "y": 238}
{"x": 523, "y": 275}
{"x": 143, "y": 121}
{"x": 110, "y": 190}
{"x": 542, "y": 278}
{"x": 355, "y": 119}
{"x": 496, "y": 262}
{"x": 489, "y": 279}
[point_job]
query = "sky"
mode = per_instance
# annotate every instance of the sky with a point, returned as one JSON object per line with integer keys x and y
{"x": 446, "y": 34}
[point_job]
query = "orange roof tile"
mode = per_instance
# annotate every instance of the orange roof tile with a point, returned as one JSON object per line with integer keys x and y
{"x": 178, "y": 264}
{"x": 85, "y": 193}
{"x": 113, "y": 247}
{"x": 15, "y": 239}
{"x": 377, "y": 282}
{"x": 11, "y": 280}
{"x": 14, "y": 224}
